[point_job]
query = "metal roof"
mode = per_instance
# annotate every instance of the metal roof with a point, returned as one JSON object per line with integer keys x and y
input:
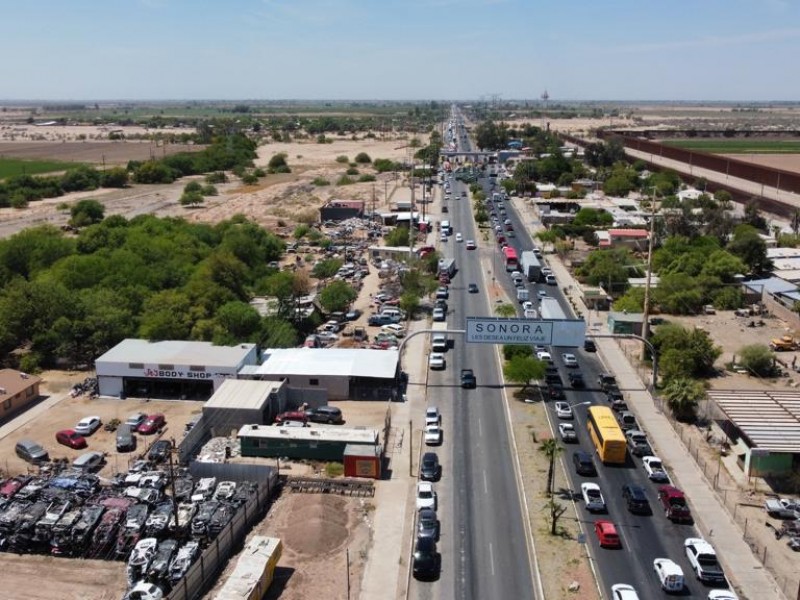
{"x": 176, "y": 352}
{"x": 311, "y": 434}
{"x": 243, "y": 394}
{"x": 769, "y": 419}
{"x": 328, "y": 362}
{"x": 248, "y": 573}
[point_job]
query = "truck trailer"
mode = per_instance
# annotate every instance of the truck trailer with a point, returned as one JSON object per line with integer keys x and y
{"x": 447, "y": 268}
{"x": 530, "y": 265}
{"x": 550, "y": 309}
{"x": 439, "y": 341}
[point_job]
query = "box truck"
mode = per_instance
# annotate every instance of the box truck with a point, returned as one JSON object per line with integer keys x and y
{"x": 530, "y": 265}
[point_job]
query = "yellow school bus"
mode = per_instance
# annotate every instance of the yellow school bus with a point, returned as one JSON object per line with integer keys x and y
{"x": 609, "y": 441}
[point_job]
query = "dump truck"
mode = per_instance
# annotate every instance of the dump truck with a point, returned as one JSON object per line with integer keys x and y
{"x": 785, "y": 343}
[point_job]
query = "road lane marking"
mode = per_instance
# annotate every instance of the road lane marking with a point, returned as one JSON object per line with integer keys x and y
{"x": 491, "y": 557}
{"x": 480, "y": 428}
{"x": 485, "y": 484}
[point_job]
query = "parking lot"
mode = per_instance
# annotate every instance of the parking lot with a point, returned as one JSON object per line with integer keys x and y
{"x": 66, "y": 414}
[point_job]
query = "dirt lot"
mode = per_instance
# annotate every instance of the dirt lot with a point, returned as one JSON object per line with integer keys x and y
{"x": 33, "y": 577}
{"x": 113, "y": 153}
{"x": 69, "y": 411}
{"x": 787, "y": 162}
{"x": 318, "y": 531}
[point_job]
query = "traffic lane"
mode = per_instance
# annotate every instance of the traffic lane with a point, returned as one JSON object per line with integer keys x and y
{"x": 644, "y": 537}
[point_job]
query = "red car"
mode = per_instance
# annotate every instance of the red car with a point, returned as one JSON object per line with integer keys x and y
{"x": 607, "y": 534}
{"x": 152, "y": 424}
{"x": 291, "y": 416}
{"x": 71, "y": 439}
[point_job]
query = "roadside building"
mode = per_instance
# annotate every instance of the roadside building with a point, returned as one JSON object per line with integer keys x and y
{"x": 623, "y": 323}
{"x": 239, "y": 402}
{"x": 311, "y": 443}
{"x": 343, "y": 373}
{"x": 170, "y": 369}
{"x": 17, "y": 391}
{"x": 762, "y": 427}
{"x": 341, "y": 210}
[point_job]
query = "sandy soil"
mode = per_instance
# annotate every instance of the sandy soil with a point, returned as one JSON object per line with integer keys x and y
{"x": 66, "y": 413}
{"x": 97, "y": 152}
{"x": 15, "y": 132}
{"x": 318, "y": 531}
{"x": 31, "y": 577}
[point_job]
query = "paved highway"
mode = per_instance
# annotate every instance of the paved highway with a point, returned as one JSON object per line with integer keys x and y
{"x": 644, "y": 538}
{"x": 483, "y": 544}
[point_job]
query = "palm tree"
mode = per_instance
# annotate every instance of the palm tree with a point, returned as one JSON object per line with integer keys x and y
{"x": 551, "y": 450}
{"x": 683, "y": 395}
{"x": 506, "y": 310}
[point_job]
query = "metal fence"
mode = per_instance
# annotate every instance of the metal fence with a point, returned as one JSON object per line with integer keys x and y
{"x": 733, "y": 498}
{"x": 192, "y": 441}
{"x": 204, "y": 572}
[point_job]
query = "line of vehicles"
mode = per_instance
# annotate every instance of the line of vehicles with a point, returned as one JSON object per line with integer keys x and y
{"x": 613, "y": 433}
{"x": 427, "y": 561}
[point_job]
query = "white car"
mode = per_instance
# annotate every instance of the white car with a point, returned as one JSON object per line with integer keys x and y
{"x": 544, "y": 355}
{"x": 426, "y": 496}
{"x": 569, "y": 360}
{"x": 395, "y": 329}
{"x": 471, "y": 245}
{"x": 225, "y": 490}
{"x": 541, "y": 293}
{"x": 143, "y": 553}
{"x": 436, "y": 360}
{"x": 433, "y": 435}
{"x": 623, "y": 591}
{"x": 563, "y": 410}
{"x": 459, "y": 237}
{"x": 433, "y": 416}
{"x": 144, "y": 591}
{"x": 568, "y": 433}
{"x": 722, "y": 595}
{"x": 439, "y": 315}
{"x": 527, "y": 305}
{"x": 655, "y": 469}
{"x": 592, "y": 497}
{"x": 88, "y": 425}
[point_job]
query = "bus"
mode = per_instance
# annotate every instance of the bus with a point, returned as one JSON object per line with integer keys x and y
{"x": 609, "y": 441}
{"x": 512, "y": 263}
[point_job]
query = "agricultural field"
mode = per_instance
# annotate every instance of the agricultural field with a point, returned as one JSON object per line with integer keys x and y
{"x": 10, "y": 167}
{"x": 738, "y": 146}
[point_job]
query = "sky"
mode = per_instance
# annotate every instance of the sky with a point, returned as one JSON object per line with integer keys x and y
{"x": 725, "y": 50}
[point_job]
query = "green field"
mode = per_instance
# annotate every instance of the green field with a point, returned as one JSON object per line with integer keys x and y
{"x": 738, "y": 146}
{"x": 17, "y": 166}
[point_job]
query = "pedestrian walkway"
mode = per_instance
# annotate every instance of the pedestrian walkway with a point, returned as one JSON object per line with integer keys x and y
{"x": 713, "y": 520}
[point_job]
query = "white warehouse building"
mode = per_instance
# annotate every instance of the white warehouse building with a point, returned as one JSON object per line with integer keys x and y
{"x": 342, "y": 373}
{"x": 170, "y": 369}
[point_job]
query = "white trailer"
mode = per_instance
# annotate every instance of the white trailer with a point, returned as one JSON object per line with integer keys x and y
{"x": 439, "y": 342}
{"x": 550, "y": 309}
{"x": 530, "y": 265}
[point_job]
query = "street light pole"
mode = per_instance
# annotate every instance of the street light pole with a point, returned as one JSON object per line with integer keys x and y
{"x": 646, "y": 308}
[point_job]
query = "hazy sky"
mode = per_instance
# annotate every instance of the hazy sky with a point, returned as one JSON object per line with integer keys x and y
{"x": 388, "y": 49}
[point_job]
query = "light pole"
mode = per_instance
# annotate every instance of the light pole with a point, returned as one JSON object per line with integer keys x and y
{"x": 646, "y": 308}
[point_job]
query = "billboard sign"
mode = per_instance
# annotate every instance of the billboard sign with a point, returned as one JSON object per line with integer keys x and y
{"x": 493, "y": 330}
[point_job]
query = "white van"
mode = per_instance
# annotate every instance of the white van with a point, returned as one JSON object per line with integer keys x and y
{"x": 669, "y": 574}
{"x": 446, "y": 227}
{"x": 393, "y": 313}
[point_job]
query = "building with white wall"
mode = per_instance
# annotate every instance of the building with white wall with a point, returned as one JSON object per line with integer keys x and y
{"x": 170, "y": 369}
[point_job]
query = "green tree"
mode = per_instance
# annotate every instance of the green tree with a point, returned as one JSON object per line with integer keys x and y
{"x": 512, "y": 350}
{"x": 683, "y": 395}
{"x": 694, "y": 351}
{"x": 278, "y": 333}
{"x": 551, "y": 449}
{"x": 153, "y": 172}
{"x": 397, "y": 237}
{"x": 592, "y": 217}
{"x": 193, "y": 187}
{"x": 409, "y": 303}
{"x": 337, "y": 296}
{"x": 115, "y": 177}
{"x": 239, "y": 322}
{"x": 363, "y": 158}
{"x": 166, "y": 316}
{"x": 278, "y": 164}
{"x": 751, "y": 249}
{"x": 724, "y": 265}
{"x": 758, "y": 359}
{"x": 523, "y": 369}
{"x": 325, "y": 269}
{"x": 191, "y": 199}
{"x": 85, "y": 212}
{"x": 506, "y": 310}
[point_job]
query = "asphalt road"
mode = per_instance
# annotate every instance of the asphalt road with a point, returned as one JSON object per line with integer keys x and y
{"x": 644, "y": 538}
{"x": 483, "y": 545}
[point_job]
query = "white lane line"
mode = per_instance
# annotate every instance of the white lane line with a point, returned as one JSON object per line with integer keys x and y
{"x": 485, "y": 484}
{"x": 491, "y": 557}
{"x": 480, "y": 427}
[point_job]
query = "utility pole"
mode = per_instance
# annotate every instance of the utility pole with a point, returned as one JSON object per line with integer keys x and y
{"x": 172, "y": 485}
{"x": 646, "y": 312}
{"x": 411, "y": 218}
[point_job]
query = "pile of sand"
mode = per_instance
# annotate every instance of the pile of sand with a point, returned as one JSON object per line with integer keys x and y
{"x": 319, "y": 524}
